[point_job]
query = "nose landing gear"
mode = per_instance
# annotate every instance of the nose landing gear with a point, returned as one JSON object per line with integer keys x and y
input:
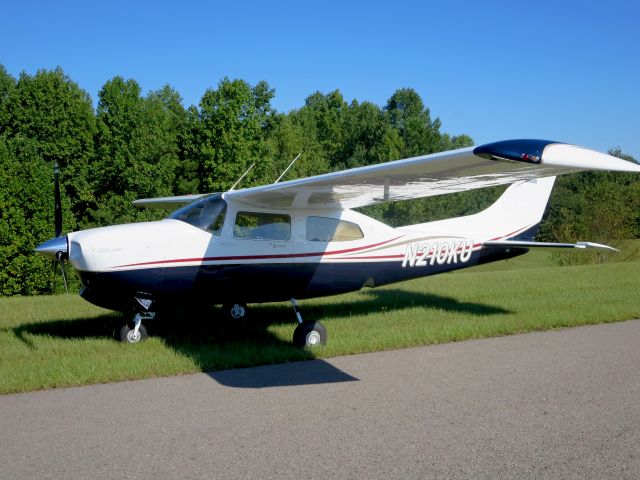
{"x": 235, "y": 311}
{"x": 135, "y": 332}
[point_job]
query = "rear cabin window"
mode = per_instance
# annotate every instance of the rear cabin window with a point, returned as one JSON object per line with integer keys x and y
{"x": 262, "y": 226}
{"x": 325, "y": 229}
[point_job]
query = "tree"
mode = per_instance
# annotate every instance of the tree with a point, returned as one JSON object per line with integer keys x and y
{"x": 233, "y": 123}
{"x": 412, "y": 120}
{"x": 26, "y": 217}
{"x": 287, "y": 139}
{"x": 337, "y": 135}
{"x": 368, "y": 137}
{"x": 7, "y": 84}
{"x": 137, "y": 149}
{"x": 50, "y": 109}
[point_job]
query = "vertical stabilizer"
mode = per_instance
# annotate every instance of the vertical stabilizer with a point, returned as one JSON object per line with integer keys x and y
{"x": 515, "y": 215}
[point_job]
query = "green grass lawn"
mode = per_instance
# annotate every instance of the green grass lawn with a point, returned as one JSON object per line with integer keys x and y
{"x": 56, "y": 341}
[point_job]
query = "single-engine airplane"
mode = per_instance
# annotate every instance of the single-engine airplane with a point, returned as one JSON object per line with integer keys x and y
{"x": 301, "y": 239}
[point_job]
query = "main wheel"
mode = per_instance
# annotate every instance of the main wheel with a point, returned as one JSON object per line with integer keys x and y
{"x": 127, "y": 334}
{"x": 309, "y": 334}
{"x": 235, "y": 311}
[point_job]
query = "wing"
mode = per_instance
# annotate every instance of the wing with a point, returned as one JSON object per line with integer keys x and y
{"x": 428, "y": 175}
{"x": 167, "y": 202}
{"x": 440, "y": 173}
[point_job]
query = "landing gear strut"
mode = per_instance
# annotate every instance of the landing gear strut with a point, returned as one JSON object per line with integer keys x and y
{"x": 307, "y": 334}
{"x": 136, "y": 332}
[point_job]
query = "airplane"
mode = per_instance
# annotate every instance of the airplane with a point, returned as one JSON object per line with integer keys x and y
{"x": 301, "y": 238}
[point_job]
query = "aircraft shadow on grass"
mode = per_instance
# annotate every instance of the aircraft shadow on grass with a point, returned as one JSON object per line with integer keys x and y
{"x": 218, "y": 345}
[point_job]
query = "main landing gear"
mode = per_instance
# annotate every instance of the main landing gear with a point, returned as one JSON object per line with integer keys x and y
{"x": 307, "y": 334}
{"x": 135, "y": 332}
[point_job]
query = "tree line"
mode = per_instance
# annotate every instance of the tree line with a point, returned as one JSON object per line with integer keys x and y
{"x": 137, "y": 146}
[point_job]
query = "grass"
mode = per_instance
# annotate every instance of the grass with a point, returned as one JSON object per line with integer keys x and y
{"x": 57, "y": 341}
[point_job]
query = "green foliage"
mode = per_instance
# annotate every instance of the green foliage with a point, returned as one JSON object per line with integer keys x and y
{"x": 602, "y": 207}
{"x": 137, "y": 150}
{"x": 187, "y": 180}
{"x": 231, "y": 132}
{"x": 7, "y": 84}
{"x": 26, "y": 217}
{"x": 50, "y": 109}
{"x": 409, "y": 116}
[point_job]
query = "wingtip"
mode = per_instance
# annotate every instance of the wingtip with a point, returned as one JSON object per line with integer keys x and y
{"x": 596, "y": 245}
{"x": 580, "y": 158}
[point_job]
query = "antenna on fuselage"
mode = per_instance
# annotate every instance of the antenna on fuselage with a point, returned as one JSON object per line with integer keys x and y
{"x": 287, "y": 169}
{"x": 243, "y": 175}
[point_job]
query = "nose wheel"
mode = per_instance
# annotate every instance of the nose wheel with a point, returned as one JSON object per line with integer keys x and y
{"x": 135, "y": 332}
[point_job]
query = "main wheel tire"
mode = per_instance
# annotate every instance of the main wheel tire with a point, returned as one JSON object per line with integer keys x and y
{"x": 235, "y": 311}
{"x": 127, "y": 335}
{"x": 309, "y": 334}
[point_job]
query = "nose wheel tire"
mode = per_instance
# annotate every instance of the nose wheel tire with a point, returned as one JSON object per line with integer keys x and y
{"x": 129, "y": 335}
{"x": 310, "y": 334}
{"x": 235, "y": 311}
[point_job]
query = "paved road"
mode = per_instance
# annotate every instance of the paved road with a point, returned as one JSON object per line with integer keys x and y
{"x": 562, "y": 404}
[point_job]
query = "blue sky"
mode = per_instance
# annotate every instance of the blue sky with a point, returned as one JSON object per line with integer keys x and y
{"x": 560, "y": 70}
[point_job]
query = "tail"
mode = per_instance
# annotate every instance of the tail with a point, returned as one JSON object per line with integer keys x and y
{"x": 516, "y": 215}
{"x": 511, "y": 222}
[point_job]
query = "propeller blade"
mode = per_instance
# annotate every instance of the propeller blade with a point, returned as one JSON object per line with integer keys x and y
{"x": 56, "y": 248}
{"x": 58, "y": 201}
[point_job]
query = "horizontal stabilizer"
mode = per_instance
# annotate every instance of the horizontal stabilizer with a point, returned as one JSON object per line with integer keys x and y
{"x": 524, "y": 244}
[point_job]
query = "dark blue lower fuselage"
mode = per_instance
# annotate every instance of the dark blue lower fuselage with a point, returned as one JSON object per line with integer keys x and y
{"x": 256, "y": 283}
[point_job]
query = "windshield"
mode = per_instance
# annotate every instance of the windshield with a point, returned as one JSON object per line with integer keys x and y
{"x": 206, "y": 213}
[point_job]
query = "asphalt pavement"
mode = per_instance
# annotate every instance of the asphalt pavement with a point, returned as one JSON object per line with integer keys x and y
{"x": 558, "y": 405}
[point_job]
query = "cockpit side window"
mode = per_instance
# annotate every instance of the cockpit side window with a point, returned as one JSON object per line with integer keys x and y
{"x": 262, "y": 226}
{"x": 325, "y": 229}
{"x": 207, "y": 214}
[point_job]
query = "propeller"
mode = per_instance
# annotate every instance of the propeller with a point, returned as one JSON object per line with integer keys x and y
{"x": 57, "y": 249}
